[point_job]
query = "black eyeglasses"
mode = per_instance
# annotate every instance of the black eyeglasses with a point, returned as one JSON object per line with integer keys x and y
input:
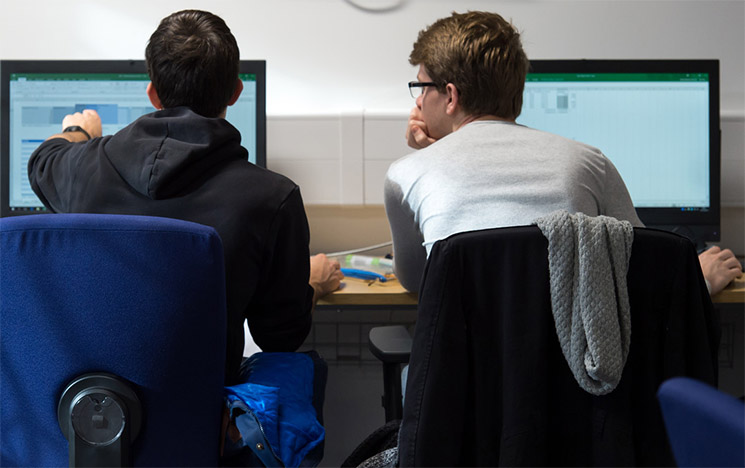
{"x": 420, "y": 85}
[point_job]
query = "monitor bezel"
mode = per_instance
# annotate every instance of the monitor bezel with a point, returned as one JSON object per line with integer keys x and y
{"x": 699, "y": 226}
{"x": 8, "y": 67}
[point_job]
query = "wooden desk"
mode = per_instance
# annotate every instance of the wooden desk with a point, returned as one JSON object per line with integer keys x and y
{"x": 732, "y": 294}
{"x": 358, "y": 292}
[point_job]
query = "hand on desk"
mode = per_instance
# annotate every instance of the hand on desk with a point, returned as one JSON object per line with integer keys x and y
{"x": 720, "y": 267}
{"x": 325, "y": 275}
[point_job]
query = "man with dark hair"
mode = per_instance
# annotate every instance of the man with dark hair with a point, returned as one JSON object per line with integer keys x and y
{"x": 192, "y": 59}
{"x": 185, "y": 161}
{"x": 477, "y": 168}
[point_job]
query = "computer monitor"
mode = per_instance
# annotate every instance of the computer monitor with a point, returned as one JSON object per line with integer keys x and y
{"x": 656, "y": 120}
{"x": 35, "y": 95}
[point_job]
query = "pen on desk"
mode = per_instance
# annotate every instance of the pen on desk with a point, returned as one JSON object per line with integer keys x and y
{"x": 363, "y": 274}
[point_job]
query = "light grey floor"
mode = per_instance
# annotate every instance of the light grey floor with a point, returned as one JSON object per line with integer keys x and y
{"x": 353, "y": 408}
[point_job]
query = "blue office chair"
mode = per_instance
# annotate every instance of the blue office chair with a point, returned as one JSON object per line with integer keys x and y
{"x": 706, "y": 427}
{"x": 112, "y": 337}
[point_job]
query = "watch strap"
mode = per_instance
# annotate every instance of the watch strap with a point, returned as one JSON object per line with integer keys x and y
{"x": 76, "y": 128}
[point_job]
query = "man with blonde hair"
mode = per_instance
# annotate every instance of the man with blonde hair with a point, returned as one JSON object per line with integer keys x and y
{"x": 477, "y": 168}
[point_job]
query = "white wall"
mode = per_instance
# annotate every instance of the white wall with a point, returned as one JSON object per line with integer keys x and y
{"x": 327, "y": 56}
{"x": 336, "y": 94}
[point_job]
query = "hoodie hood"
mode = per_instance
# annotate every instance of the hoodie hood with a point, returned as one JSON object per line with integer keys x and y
{"x": 166, "y": 153}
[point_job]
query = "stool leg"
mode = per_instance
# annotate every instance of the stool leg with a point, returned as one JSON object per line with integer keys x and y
{"x": 392, "y": 391}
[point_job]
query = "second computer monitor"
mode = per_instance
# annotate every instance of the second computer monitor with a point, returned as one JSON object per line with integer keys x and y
{"x": 656, "y": 120}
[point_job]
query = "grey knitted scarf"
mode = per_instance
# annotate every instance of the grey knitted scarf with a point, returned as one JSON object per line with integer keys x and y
{"x": 588, "y": 259}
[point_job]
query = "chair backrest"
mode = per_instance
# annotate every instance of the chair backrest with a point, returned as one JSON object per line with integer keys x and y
{"x": 139, "y": 297}
{"x": 488, "y": 384}
{"x": 706, "y": 426}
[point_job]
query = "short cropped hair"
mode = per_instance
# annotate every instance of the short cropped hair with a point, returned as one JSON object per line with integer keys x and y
{"x": 481, "y": 54}
{"x": 192, "y": 59}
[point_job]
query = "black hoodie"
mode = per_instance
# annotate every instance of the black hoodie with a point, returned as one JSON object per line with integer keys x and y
{"x": 177, "y": 164}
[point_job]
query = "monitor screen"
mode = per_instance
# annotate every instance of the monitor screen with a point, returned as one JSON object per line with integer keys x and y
{"x": 656, "y": 120}
{"x": 36, "y": 95}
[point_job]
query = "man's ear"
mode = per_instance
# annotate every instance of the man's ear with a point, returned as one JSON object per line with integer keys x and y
{"x": 152, "y": 94}
{"x": 236, "y": 93}
{"x": 453, "y": 99}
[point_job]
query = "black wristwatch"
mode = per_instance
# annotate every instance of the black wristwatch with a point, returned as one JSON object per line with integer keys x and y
{"x": 76, "y": 128}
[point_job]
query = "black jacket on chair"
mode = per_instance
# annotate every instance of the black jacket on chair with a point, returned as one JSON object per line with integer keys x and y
{"x": 488, "y": 384}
